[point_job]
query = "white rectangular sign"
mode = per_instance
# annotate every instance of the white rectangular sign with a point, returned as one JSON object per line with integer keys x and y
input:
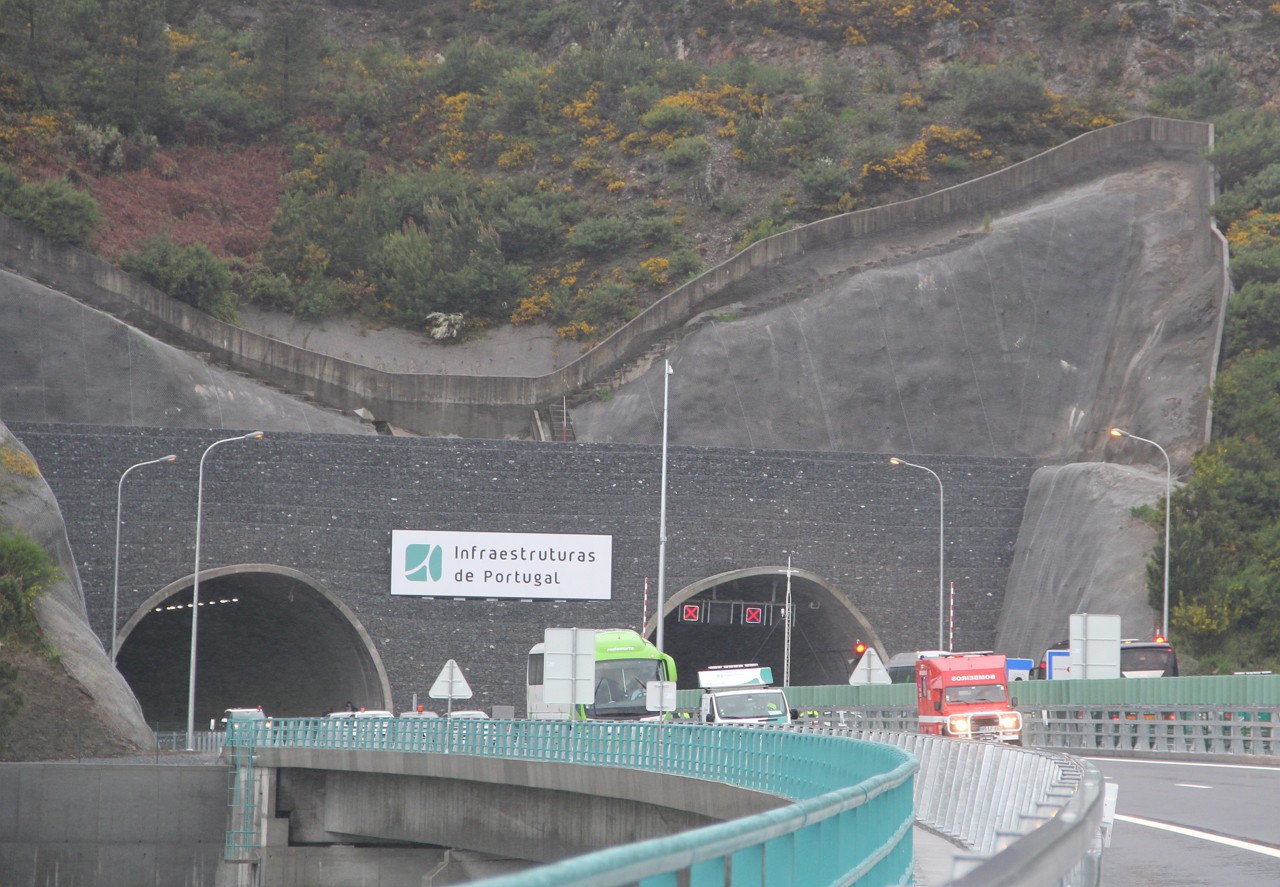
{"x": 569, "y": 666}
{"x": 554, "y": 566}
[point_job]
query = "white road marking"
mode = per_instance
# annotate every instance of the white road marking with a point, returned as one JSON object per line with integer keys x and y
{"x": 1190, "y": 785}
{"x": 1185, "y": 764}
{"x": 1206, "y": 836}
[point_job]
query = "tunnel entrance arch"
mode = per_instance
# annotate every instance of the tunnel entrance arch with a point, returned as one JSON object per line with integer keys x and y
{"x": 268, "y": 635}
{"x": 721, "y": 627}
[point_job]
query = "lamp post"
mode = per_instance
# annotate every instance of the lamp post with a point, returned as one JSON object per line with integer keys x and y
{"x": 786, "y": 634}
{"x": 662, "y": 508}
{"x": 1168, "y": 496}
{"x": 942, "y": 597}
{"x": 195, "y": 589}
{"x": 115, "y": 584}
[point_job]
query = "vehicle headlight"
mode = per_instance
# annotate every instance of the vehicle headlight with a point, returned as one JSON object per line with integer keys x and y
{"x": 958, "y": 724}
{"x": 1011, "y": 720}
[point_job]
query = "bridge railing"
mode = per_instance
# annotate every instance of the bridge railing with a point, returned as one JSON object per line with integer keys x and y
{"x": 850, "y": 820}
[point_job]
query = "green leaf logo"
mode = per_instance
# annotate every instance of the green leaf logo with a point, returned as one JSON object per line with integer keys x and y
{"x": 423, "y": 562}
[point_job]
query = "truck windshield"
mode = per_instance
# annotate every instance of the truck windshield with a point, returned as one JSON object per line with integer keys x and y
{"x": 621, "y": 685}
{"x": 757, "y": 704}
{"x": 976, "y": 693}
{"x": 1148, "y": 661}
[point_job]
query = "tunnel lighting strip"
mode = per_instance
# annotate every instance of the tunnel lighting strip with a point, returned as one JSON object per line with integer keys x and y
{"x": 233, "y": 600}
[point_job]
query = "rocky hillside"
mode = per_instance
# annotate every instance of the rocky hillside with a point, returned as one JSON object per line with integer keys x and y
{"x": 69, "y": 700}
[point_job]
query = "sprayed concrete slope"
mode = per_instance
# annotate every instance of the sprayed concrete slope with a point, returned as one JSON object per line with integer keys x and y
{"x": 1094, "y": 307}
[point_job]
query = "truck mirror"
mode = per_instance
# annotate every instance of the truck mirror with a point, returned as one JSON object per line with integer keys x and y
{"x": 1013, "y": 701}
{"x": 795, "y": 714}
{"x": 937, "y": 705}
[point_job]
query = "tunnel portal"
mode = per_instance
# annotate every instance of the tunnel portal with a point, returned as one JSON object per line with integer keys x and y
{"x": 739, "y": 617}
{"x": 267, "y": 636}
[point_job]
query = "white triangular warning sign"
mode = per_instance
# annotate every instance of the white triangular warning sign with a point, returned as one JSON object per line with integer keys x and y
{"x": 870, "y": 669}
{"x": 451, "y": 684}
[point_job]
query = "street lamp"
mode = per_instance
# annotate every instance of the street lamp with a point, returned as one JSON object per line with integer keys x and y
{"x": 662, "y": 508}
{"x": 195, "y": 590}
{"x": 115, "y": 585}
{"x": 942, "y": 597}
{"x": 1168, "y": 495}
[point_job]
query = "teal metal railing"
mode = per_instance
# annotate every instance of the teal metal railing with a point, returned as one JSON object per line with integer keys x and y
{"x": 849, "y": 822}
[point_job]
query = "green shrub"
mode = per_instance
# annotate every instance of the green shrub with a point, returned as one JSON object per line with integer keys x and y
{"x": 685, "y": 265}
{"x": 759, "y": 143}
{"x": 998, "y": 99}
{"x": 687, "y": 153}
{"x": 532, "y": 226}
{"x": 450, "y": 263}
{"x": 1209, "y": 90}
{"x": 270, "y": 291}
{"x": 57, "y": 210}
{"x": 603, "y": 236}
{"x": 26, "y": 569}
{"x": 1253, "y": 319}
{"x": 760, "y": 230}
{"x": 189, "y": 273}
{"x": 1259, "y": 263}
{"x": 823, "y": 182}
{"x": 658, "y": 231}
{"x": 673, "y": 118}
{"x": 1245, "y": 143}
{"x": 608, "y": 305}
{"x": 9, "y": 183}
{"x": 1258, "y": 191}
{"x": 1245, "y": 400}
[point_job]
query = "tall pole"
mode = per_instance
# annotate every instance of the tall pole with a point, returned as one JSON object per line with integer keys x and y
{"x": 662, "y": 509}
{"x": 1168, "y": 497}
{"x": 115, "y": 583}
{"x": 195, "y": 590}
{"x": 786, "y": 635}
{"x": 942, "y": 592}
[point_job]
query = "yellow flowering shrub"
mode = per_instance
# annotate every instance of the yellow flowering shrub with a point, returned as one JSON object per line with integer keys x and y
{"x": 579, "y": 329}
{"x": 904, "y": 165}
{"x": 531, "y": 309}
{"x": 1255, "y": 229}
{"x": 17, "y": 462}
{"x": 517, "y": 156}
{"x": 654, "y": 272}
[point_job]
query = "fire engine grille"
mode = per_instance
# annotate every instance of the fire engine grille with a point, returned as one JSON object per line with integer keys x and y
{"x": 984, "y": 724}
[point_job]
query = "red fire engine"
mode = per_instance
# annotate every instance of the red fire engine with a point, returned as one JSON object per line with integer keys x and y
{"x": 967, "y": 695}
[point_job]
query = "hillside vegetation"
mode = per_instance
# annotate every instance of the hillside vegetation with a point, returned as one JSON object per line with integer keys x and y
{"x": 454, "y": 165}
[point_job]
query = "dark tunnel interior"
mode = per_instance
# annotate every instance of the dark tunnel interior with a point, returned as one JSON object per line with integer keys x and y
{"x": 743, "y": 621}
{"x": 262, "y": 639}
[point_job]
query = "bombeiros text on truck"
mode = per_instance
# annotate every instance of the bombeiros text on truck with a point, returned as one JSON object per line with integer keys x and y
{"x": 967, "y": 695}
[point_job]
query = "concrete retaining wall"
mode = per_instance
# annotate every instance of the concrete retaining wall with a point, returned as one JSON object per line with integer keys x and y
{"x": 492, "y": 406}
{"x": 88, "y": 825}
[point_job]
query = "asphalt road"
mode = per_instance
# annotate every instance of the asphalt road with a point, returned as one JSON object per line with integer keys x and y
{"x": 1185, "y": 824}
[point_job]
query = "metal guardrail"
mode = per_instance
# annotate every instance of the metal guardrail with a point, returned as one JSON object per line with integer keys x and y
{"x": 850, "y": 821}
{"x": 1246, "y": 730}
{"x": 176, "y": 740}
{"x": 1157, "y": 730}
